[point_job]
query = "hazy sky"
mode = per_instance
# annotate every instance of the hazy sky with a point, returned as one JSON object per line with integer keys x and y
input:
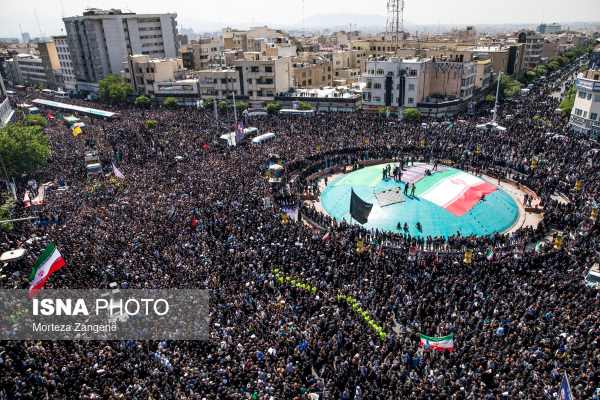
{"x": 206, "y": 15}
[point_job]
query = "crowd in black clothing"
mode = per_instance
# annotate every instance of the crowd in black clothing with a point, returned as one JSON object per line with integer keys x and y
{"x": 518, "y": 322}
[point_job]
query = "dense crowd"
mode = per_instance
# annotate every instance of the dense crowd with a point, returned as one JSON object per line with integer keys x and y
{"x": 518, "y": 322}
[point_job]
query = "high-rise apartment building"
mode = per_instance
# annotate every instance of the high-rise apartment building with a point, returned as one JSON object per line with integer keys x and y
{"x": 101, "y": 40}
{"x": 67, "y": 75}
{"x": 534, "y": 46}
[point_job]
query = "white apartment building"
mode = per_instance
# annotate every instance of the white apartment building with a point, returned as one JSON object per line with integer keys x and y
{"x": 6, "y": 111}
{"x": 100, "y": 41}
{"x": 549, "y": 28}
{"x": 67, "y": 74}
{"x": 395, "y": 83}
{"x": 26, "y": 69}
{"x": 262, "y": 79}
{"x": 142, "y": 72}
{"x": 585, "y": 116}
{"x": 186, "y": 91}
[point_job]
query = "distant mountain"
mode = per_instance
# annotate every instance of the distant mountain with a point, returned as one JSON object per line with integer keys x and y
{"x": 343, "y": 21}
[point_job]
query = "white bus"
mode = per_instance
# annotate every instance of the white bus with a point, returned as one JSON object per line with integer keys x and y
{"x": 265, "y": 137}
{"x": 289, "y": 111}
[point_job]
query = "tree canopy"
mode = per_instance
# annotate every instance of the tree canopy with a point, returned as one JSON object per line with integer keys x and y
{"x": 142, "y": 101}
{"x": 303, "y": 105}
{"x": 411, "y": 114}
{"x": 36, "y": 120}
{"x": 273, "y": 107}
{"x": 566, "y": 105}
{"x": 114, "y": 89}
{"x": 170, "y": 102}
{"x": 509, "y": 87}
{"x": 24, "y": 149}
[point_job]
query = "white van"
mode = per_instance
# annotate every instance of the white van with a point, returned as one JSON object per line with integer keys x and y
{"x": 592, "y": 279}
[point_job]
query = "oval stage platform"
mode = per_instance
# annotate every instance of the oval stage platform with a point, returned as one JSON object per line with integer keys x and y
{"x": 445, "y": 202}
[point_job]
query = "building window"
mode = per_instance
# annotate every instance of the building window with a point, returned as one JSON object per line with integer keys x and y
{"x": 589, "y": 96}
{"x": 268, "y": 68}
{"x": 594, "y": 116}
{"x": 582, "y": 95}
{"x": 597, "y": 98}
{"x": 411, "y": 86}
{"x": 411, "y": 100}
{"x": 578, "y": 112}
{"x": 377, "y": 85}
{"x": 254, "y": 69}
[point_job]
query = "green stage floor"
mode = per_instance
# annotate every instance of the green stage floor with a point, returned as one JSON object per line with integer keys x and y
{"x": 497, "y": 213}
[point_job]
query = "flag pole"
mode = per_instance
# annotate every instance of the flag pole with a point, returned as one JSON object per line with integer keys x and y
{"x": 234, "y": 110}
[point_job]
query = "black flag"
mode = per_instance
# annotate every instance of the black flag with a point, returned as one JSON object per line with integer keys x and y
{"x": 359, "y": 209}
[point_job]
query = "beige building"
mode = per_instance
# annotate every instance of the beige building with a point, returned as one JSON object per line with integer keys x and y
{"x": 50, "y": 61}
{"x": 234, "y": 39}
{"x": 312, "y": 71}
{"x": 219, "y": 83}
{"x": 262, "y": 79}
{"x": 142, "y": 72}
{"x": 534, "y": 46}
{"x": 483, "y": 74}
{"x": 451, "y": 79}
{"x": 277, "y": 50}
{"x": 202, "y": 53}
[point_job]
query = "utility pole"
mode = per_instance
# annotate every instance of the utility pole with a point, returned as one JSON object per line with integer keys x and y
{"x": 497, "y": 93}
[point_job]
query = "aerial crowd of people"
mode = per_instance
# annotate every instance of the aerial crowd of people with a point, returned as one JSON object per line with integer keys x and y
{"x": 192, "y": 213}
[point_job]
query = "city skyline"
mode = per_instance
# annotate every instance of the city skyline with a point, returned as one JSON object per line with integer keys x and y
{"x": 213, "y": 15}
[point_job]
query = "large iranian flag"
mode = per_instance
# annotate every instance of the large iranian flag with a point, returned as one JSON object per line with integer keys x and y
{"x": 454, "y": 190}
{"x": 437, "y": 343}
{"x": 47, "y": 263}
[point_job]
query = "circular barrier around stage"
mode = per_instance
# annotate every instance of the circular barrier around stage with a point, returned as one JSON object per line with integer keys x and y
{"x": 447, "y": 202}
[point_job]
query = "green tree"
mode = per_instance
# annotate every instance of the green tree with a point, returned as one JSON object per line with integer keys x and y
{"x": 566, "y": 105}
{"x": 509, "y": 87}
{"x": 540, "y": 70}
{"x": 273, "y": 107}
{"x": 114, "y": 89}
{"x": 142, "y": 101}
{"x": 303, "y": 105}
{"x": 222, "y": 106}
{"x": 241, "y": 106}
{"x": 553, "y": 65}
{"x": 150, "y": 123}
{"x": 6, "y": 212}
{"x": 36, "y": 120}
{"x": 24, "y": 149}
{"x": 170, "y": 102}
{"x": 489, "y": 98}
{"x": 411, "y": 114}
{"x": 208, "y": 102}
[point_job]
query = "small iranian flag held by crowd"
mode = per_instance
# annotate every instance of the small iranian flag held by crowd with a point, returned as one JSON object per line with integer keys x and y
{"x": 47, "y": 263}
{"x": 437, "y": 343}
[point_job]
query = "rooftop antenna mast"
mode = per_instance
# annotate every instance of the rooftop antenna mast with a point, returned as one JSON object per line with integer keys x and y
{"x": 395, "y": 20}
{"x": 303, "y": 22}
